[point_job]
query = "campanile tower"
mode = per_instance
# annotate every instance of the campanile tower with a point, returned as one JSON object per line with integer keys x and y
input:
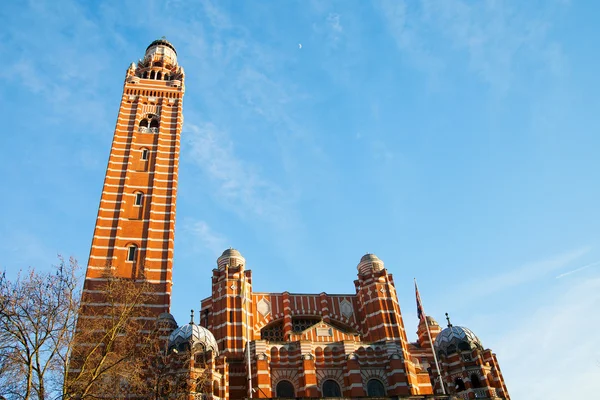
{"x": 135, "y": 227}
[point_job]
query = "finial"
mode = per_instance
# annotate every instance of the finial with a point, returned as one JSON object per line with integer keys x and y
{"x": 192, "y": 317}
{"x": 448, "y": 319}
{"x": 163, "y": 37}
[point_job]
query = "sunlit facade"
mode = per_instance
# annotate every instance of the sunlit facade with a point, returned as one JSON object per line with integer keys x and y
{"x": 256, "y": 344}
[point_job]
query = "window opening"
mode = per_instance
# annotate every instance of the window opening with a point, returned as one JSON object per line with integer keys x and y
{"x": 285, "y": 389}
{"x": 459, "y": 385}
{"x": 144, "y": 154}
{"x": 331, "y": 389}
{"x": 273, "y": 332}
{"x": 131, "y": 253}
{"x": 375, "y": 388}
{"x": 138, "y": 199}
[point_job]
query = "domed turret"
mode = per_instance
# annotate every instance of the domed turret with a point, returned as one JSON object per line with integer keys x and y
{"x": 231, "y": 257}
{"x": 456, "y": 338}
{"x": 194, "y": 337}
{"x": 161, "y": 50}
{"x": 167, "y": 320}
{"x": 369, "y": 262}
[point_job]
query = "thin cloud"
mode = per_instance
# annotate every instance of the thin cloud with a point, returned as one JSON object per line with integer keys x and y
{"x": 523, "y": 274}
{"x": 237, "y": 182}
{"x": 536, "y": 337}
{"x": 578, "y": 269}
{"x": 497, "y": 39}
{"x": 200, "y": 236}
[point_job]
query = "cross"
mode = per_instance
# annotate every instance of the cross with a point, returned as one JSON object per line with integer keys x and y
{"x": 448, "y": 319}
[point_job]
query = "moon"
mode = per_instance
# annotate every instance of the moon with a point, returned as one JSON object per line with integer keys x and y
{"x": 299, "y": 45}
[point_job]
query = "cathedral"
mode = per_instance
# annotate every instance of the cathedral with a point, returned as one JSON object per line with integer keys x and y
{"x": 255, "y": 344}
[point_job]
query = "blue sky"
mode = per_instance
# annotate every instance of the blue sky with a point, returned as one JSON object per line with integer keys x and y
{"x": 457, "y": 140}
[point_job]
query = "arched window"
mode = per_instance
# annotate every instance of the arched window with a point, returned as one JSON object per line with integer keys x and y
{"x": 144, "y": 154}
{"x": 475, "y": 382}
{"x": 146, "y": 75}
{"x": 285, "y": 389}
{"x": 139, "y": 198}
{"x": 154, "y": 125}
{"x": 158, "y": 76}
{"x": 331, "y": 389}
{"x": 144, "y": 124}
{"x": 152, "y": 74}
{"x": 459, "y": 385}
{"x": 375, "y": 388}
{"x": 131, "y": 252}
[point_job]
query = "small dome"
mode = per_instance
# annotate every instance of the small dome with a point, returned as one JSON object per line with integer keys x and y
{"x": 369, "y": 262}
{"x": 430, "y": 321}
{"x": 369, "y": 257}
{"x": 231, "y": 253}
{"x": 166, "y": 316}
{"x": 231, "y": 257}
{"x": 166, "y": 322}
{"x": 195, "y": 336}
{"x": 456, "y": 338}
{"x": 162, "y": 42}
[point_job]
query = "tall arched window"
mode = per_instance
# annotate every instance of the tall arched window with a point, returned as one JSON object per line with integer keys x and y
{"x": 158, "y": 76}
{"x": 285, "y": 389}
{"x": 152, "y": 75}
{"x": 459, "y": 385}
{"x": 475, "y": 382}
{"x": 144, "y": 155}
{"x": 331, "y": 389}
{"x": 375, "y": 388}
{"x": 154, "y": 125}
{"x": 131, "y": 252}
{"x": 139, "y": 198}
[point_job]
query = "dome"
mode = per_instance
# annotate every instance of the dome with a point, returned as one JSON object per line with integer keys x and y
{"x": 369, "y": 262}
{"x": 162, "y": 42}
{"x": 166, "y": 317}
{"x": 456, "y": 338}
{"x": 196, "y": 336}
{"x": 231, "y": 253}
{"x": 161, "y": 53}
{"x": 231, "y": 257}
{"x": 166, "y": 320}
{"x": 369, "y": 257}
{"x": 430, "y": 321}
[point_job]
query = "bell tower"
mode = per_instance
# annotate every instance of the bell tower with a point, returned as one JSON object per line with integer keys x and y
{"x": 135, "y": 227}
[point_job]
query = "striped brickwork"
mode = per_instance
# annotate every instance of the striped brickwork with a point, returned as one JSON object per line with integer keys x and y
{"x": 309, "y": 339}
{"x": 135, "y": 226}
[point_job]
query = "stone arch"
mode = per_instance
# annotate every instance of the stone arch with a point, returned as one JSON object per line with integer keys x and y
{"x": 290, "y": 375}
{"x": 373, "y": 373}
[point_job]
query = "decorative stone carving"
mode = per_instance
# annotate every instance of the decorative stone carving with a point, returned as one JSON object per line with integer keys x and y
{"x": 264, "y": 307}
{"x": 346, "y": 308}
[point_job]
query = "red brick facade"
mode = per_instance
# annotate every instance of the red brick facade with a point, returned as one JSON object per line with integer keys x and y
{"x": 135, "y": 226}
{"x": 301, "y": 345}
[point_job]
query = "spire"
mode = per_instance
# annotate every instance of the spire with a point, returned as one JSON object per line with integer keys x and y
{"x": 448, "y": 319}
{"x": 192, "y": 317}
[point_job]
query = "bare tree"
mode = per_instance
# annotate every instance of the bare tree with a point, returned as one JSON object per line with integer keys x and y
{"x": 52, "y": 345}
{"x": 112, "y": 340}
{"x": 37, "y": 317}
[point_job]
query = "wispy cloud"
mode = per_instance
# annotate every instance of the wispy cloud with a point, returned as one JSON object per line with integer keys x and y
{"x": 238, "y": 183}
{"x": 578, "y": 269}
{"x": 199, "y": 236}
{"x": 525, "y": 273}
{"x": 497, "y": 39}
{"x": 557, "y": 338}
